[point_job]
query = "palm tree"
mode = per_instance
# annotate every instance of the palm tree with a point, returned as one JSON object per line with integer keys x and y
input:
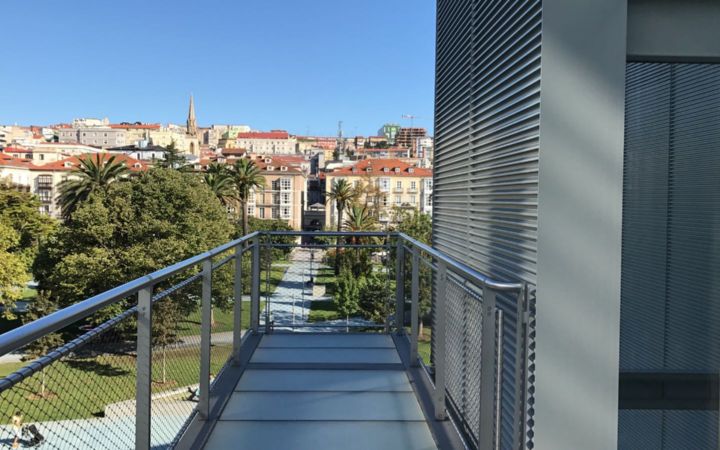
{"x": 342, "y": 194}
{"x": 360, "y": 219}
{"x": 91, "y": 174}
{"x": 221, "y": 183}
{"x": 246, "y": 177}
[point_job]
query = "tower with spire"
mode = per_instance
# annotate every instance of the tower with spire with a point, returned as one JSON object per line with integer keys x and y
{"x": 191, "y": 123}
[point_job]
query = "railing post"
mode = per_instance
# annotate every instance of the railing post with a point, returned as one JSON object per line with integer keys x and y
{"x": 521, "y": 355}
{"x": 414, "y": 308}
{"x": 143, "y": 392}
{"x": 204, "y": 397}
{"x": 488, "y": 372}
{"x": 237, "y": 306}
{"x": 400, "y": 287}
{"x": 439, "y": 337}
{"x": 255, "y": 286}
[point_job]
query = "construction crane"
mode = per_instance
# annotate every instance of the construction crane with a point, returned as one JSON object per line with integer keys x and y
{"x": 411, "y": 118}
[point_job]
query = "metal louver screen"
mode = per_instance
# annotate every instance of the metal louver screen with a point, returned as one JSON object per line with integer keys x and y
{"x": 487, "y": 119}
{"x": 671, "y": 241}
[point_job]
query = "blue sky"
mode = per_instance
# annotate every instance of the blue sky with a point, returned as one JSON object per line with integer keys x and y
{"x": 301, "y": 65}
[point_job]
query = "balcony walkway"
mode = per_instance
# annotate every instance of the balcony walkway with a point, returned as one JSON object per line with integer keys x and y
{"x": 323, "y": 391}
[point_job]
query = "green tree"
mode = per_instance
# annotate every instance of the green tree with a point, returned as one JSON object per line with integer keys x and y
{"x": 21, "y": 211}
{"x": 154, "y": 220}
{"x": 360, "y": 219}
{"x": 415, "y": 224}
{"x": 38, "y": 308}
{"x": 347, "y": 295}
{"x": 167, "y": 313}
{"x": 343, "y": 194}
{"x": 94, "y": 173}
{"x": 172, "y": 158}
{"x": 13, "y": 270}
{"x": 221, "y": 184}
{"x": 418, "y": 226}
{"x": 377, "y": 297}
{"x": 246, "y": 177}
{"x": 358, "y": 259}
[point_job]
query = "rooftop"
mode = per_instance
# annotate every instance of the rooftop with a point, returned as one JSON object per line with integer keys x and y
{"x": 275, "y": 134}
{"x": 385, "y": 166}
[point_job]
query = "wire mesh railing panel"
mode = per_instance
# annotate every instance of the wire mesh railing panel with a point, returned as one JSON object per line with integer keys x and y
{"x": 84, "y": 399}
{"x": 463, "y": 351}
{"x": 176, "y": 326}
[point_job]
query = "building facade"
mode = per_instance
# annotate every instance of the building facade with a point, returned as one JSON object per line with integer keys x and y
{"x": 386, "y": 184}
{"x": 594, "y": 180}
{"x": 276, "y": 142}
{"x": 44, "y": 180}
{"x": 102, "y": 137}
{"x": 408, "y": 137}
{"x": 389, "y": 132}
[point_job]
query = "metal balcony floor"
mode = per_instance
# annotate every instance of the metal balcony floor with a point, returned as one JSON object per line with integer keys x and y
{"x": 323, "y": 392}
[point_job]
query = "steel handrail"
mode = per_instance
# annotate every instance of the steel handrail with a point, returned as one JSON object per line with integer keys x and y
{"x": 455, "y": 266}
{"x": 462, "y": 269}
{"x": 21, "y": 336}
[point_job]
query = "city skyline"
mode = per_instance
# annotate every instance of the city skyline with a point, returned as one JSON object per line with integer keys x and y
{"x": 373, "y": 64}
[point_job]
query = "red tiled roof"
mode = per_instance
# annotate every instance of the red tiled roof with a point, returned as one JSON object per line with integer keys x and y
{"x": 11, "y": 161}
{"x": 378, "y": 167}
{"x": 383, "y": 150}
{"x": 275, "y": 134}
{"x": 72, "y": 162}
{"x": 233, "y": 151}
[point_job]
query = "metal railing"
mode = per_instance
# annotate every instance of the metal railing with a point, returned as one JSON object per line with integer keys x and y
{"x": 165, "y": 346}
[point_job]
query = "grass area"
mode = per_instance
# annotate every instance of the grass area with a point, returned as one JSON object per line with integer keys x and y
{"x": 223, "y": 320}
{"x": 29, "y": 293}
{"x": 82, "y": 387}
{"x": 323, "y": 310}
{"x": 8, "y": 368}
{"x": 276, "y": 275}
{"x": 424, "y": 344}
{"x": 326, "y": 276}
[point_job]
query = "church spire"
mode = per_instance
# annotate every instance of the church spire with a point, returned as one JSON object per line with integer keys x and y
{"x": 191, "y": 124}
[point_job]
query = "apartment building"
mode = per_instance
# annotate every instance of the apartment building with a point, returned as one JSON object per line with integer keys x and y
{"x": 396, "y": 183}
{"x": 285, "y": 190}
{"x": 165, "y": 136}
{"x": 43, "y": 179}
{"x": 267, "y": 143}
{"x": 408, "y": 136}
{"x": 102, "y": 137}
{"x": 47, "y": 152}
{"x": 389, "y": 132}
{"x": 136, "y": 132}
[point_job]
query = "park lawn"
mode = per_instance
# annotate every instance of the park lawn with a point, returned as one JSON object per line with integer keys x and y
{"x": 29, "y": 293}
{"x": 321, "y": 310}
{"x": 424, "y": 344}
{"x": 326, "y": 276}
{"x": 82, "y": 387}
{"x": 276, "y": 275}
{"x": 223, "y": 320}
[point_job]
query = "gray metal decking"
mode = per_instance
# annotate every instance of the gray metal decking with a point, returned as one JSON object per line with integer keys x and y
{"x": 316, "y": 392}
